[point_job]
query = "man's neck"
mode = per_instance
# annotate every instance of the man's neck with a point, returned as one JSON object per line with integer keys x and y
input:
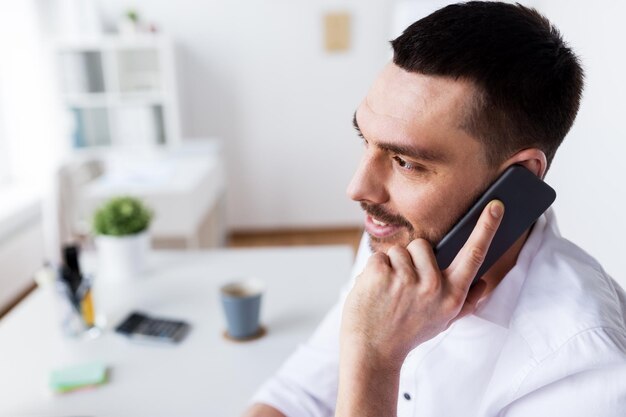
{"x": 498, "y": 271}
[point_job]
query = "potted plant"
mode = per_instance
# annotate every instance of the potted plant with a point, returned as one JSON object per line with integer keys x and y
{"x": 122, "y": 241}
{"x": 129, "y": 24}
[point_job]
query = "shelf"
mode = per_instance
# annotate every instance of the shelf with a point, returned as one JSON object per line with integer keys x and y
{"x": 138, "y": 126}
{"x": 121, "y": 91}
{"x": 98, "y": 43}
{"x": 138, "y": 99}
{"x": 81, "y": 72}
{"x": 138, "y": 69}
{"x": 87, "y": 100}
{"x": 91, "y": 127}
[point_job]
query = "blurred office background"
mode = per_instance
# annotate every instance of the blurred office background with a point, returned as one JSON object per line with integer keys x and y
{"x": 234, "y": 119}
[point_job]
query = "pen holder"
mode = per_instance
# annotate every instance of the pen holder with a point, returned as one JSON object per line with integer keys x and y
{"x": 77, "y": 310}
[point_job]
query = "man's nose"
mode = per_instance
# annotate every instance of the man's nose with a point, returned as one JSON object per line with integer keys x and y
{"x": 368, "y": 182}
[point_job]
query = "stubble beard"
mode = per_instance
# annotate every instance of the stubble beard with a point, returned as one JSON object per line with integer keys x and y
{"x": 402, "y": 238}
{"x": 408, "y": 230}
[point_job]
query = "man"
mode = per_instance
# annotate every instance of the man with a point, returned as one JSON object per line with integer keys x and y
{"x": 473, "y": 89}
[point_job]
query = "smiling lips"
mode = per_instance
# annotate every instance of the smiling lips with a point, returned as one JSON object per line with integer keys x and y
{"x": 379, "y": 229}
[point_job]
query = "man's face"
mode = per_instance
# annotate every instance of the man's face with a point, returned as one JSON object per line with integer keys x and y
{"x": 420, "y": 170}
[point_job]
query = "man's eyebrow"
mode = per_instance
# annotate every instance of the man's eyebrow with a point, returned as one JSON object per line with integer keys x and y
{"x": 414, "y": 152}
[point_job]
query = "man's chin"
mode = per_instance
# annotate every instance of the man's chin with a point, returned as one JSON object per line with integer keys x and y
{"x": 383, "y": 244}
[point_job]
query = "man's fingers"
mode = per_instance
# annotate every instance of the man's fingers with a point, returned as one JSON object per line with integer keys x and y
{"x": 379, "y": 261}
{"x": 472, "y": 255}
{"x": 424, "y": 260}
{"x": 401, "y": 262}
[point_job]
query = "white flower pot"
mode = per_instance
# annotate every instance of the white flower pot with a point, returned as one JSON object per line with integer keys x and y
{"x": 121, "y": 258}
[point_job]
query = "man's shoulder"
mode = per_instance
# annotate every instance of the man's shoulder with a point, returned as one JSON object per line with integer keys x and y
{"x": 567, "y": 296}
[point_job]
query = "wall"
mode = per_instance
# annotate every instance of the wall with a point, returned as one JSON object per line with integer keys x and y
{"x": 256, "y": 74}
{"x": 589, "y": 170}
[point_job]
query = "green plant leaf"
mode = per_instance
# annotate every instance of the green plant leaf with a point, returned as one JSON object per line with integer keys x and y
{"x": 122, "y": 216}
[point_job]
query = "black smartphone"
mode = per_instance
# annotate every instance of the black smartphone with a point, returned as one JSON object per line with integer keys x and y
{"x": 525, "y": 198}
{"x": 140, "y": 326}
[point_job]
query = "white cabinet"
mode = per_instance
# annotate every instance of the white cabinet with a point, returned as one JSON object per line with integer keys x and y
{"x": 185, "y": 186}
{"x": 120, "y": 91}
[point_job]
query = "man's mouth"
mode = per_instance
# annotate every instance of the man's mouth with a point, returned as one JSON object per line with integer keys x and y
{"x": 379, "y": 229}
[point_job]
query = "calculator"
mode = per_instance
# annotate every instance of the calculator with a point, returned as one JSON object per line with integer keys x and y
{"x": 142, "y": 327}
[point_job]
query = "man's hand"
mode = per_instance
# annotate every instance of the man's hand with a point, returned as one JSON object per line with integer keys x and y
{"x": 262, "y": 410}
{"x": 401, "y": 300}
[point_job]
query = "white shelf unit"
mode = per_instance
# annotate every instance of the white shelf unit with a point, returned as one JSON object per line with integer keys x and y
{"x": 120, "y": 91}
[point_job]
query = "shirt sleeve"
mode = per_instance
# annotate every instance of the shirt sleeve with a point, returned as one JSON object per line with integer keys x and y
{"x": 586, "y": 377}
{"x": 306, "y": 384}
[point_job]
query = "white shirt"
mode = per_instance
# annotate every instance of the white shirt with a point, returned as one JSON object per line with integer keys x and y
{"x": 549, "y": 341}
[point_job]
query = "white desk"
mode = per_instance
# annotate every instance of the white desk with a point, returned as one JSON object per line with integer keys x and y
{"x": 206, "y": 375}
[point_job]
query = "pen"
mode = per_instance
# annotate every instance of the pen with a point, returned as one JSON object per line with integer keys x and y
{"x": 85, "y": 302}
{"x": 67, "y": 292}
{"x": 79, "y": 288}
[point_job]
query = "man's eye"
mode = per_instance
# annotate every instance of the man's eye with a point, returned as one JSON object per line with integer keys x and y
{"x": 406, "y": 165}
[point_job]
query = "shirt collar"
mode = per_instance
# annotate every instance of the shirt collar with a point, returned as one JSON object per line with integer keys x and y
{"x": 499, "y": 306}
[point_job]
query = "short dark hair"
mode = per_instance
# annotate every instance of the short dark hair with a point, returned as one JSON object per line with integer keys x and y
{"x": 529, "y": 82}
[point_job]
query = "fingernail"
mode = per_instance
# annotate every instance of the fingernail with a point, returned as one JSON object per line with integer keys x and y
{"x": 497, "y": 208}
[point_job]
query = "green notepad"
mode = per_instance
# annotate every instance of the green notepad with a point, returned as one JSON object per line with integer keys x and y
{"x": 78, "y": 376}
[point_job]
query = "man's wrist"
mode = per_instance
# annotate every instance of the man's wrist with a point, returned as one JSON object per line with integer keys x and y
{"x": 360, "y": 381}
{"x": 360, "y": 355}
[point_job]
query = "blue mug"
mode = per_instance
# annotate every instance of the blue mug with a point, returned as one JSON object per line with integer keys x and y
{"x": 242, "y": 305}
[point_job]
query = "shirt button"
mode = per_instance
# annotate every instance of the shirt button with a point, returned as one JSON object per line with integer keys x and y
{"x": 407, "y": 396}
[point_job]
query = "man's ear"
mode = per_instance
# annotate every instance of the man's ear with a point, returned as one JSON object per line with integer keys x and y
{"x": 532, "y": 158}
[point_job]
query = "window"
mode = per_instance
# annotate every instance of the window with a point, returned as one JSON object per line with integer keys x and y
{"x": 31, "y": 123}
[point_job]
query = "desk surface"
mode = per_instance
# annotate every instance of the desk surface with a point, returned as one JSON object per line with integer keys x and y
{"x": 206, "y": 375}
